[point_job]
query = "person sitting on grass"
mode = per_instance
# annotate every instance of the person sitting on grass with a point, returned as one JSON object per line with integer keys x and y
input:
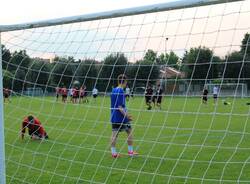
{"x": 35, "y": 128}
{"x": 120, "y": 119}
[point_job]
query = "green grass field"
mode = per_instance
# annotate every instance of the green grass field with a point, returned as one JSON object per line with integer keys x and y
{"x": 184, "y": 142}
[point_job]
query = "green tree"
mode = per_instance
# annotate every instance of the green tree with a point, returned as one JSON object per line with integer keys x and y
{"x": 7, "y": 79}
{"x": 18, "y": 82}
{"x": 200, "y": 63}
{"x": 38, "y": 74}
{"x": 113, "y": 65}
{"x": 144, "y": 71}
{"x": 86, "y": 72}
{"x": 6, "y": 57}
{"x": 245, "y": 45}
{"x": 19, "y": 60}
{"x": 170, "y": 59}
{"x": 232, "y": 65}
{"x": 62, "y": 71}
{"x": 150, "y": 55}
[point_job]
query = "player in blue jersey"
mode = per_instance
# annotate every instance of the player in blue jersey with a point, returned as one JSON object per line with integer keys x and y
{"x": 120, "y": 119}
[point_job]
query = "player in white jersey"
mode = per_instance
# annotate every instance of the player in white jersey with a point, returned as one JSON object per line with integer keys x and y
{"x": 127, "y": 93}
{"x": 94, "y": 93}
{"x": 215, "y": 93}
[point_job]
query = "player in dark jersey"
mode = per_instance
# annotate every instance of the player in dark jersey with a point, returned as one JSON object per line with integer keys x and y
{"x": 204, "y": 96}
{"x": 120, "y": 119}
{"x": 35, "y": 128}
{"x": 6, "y": 94}
{"x": 148, "y": 96}
{"x": 158, "y": 96}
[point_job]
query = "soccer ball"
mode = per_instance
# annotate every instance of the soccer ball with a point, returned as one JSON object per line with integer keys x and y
{"x": 226, "y": 103}
{"x": 76, "y": 83}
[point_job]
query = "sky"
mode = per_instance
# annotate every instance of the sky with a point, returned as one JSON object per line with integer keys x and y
{"x": 218, "y": 27}
{"x": 22, "y": 11}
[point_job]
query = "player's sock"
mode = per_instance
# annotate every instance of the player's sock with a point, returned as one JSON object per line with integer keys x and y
{"x": 113, "y": 150}
{"x": 114, "y": 153}
{"x": 130, "y": 148}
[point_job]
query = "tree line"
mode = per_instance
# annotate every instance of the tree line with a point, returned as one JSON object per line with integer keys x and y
{"x": 20, "y": 71}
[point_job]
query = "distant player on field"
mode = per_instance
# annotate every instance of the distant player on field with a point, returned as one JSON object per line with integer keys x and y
{"x": 120, "y": 119}
{"x": 75, "y": 95}
{"x": 95, "y": 93}
{"x": 35, "y": 128}
{"x": 81, "y": 93}
{"x": 58, "y": 91}
{"x": 127, "y": 93}
{"x": 85, "y": 94}
{"x": 64, "y": 92}
{"x": 204, "y": 95}
{"x": 158, "y": 96}
{"x": 148, "y": 96}
{"x": 6, "y": 94}
{"x": 215, "y": 93}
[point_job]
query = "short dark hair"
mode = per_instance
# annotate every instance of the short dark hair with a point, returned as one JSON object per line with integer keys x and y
{"x": 30, "y": 118}
{"x": 122, "y": 78}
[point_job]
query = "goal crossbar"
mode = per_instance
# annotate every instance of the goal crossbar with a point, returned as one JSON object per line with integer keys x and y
{"x": 115, "y": 13}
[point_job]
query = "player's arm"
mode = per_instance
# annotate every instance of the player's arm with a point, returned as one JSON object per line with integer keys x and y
{"x": 124, "y": 113}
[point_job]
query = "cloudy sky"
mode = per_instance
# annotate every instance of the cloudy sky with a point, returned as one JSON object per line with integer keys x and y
{"x": 19, "y": 11}
{"x": 218, "y": 27}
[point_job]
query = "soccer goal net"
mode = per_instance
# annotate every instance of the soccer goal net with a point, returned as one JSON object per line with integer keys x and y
{"x": 59, "y": 82}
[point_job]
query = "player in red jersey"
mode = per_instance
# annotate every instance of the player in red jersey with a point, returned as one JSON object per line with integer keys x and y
{"x": 64, "y": 92}
{"x": 58, "y": 92}
{"x": 75, "y": 93}
{"x": 35, "y": 128}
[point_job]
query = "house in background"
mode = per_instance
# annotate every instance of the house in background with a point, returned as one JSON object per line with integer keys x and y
{"x": 168, "y": 77}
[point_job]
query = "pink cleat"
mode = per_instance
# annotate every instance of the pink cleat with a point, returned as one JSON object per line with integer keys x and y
{"x": 116, "y": 155}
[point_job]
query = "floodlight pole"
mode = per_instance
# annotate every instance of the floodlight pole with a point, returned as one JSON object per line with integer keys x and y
{"x": 166, "y": 40}
{"x": 2, "y": 150}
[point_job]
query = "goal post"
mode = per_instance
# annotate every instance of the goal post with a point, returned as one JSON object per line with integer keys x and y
{"x": 2, "y": 141}
{"x": 116, "y": 13}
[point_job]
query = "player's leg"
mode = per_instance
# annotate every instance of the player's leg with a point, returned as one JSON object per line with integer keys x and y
{"x": 215, "y": 99}
{"x": 159, "y": 103}
{"x": 149, "y": 103}
{"x": 131, "y": 151}
{"x": 113, "y": 143}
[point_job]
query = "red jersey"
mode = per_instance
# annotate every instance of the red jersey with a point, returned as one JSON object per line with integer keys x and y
{"x": 75, "y": 92}
{"x": 58, "y": 90}
{"x": 82, "y": 92}
{"x": 34, "y": 128}
{"x": 64, "y": 91}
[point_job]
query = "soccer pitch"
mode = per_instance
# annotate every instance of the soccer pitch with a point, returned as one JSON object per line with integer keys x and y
{"x": 186, "y": 141}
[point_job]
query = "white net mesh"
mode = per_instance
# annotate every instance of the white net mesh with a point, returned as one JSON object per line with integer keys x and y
{"x": 180, "y": 140}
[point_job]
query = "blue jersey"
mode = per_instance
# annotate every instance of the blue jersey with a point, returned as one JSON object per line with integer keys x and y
{"x": 118, "y": 99}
